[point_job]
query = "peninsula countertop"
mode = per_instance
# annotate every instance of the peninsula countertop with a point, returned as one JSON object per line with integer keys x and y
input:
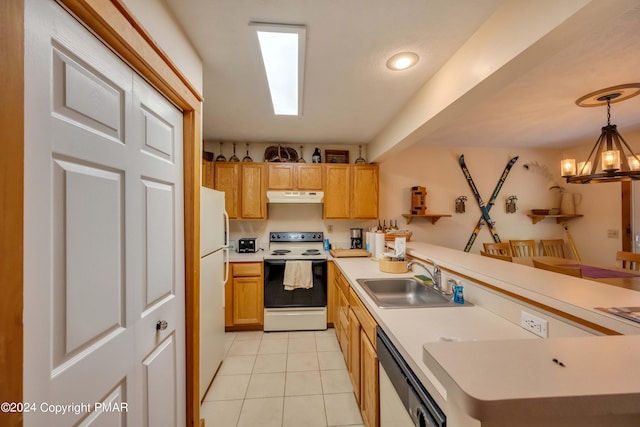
{"x": 450, "y": 339}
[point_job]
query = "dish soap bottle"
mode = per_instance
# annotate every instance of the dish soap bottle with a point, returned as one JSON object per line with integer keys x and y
{"x": 316, "y": 157}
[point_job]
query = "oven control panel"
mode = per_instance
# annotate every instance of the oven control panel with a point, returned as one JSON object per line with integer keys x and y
{"x": 296, "y": 236}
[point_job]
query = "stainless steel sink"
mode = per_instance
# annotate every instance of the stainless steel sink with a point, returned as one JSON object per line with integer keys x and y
{"x": 405, "y": 292}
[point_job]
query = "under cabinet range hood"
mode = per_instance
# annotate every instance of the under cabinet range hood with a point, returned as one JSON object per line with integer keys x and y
{"x": 295, "y": 196}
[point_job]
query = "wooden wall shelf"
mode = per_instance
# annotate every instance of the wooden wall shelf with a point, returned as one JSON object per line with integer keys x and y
{"x": 434, "y": 217}
{"x": 559, "y": 218}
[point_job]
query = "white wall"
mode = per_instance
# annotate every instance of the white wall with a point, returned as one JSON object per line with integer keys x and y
{"x": 165, "y": 31}
{"x": 438, "y": 170}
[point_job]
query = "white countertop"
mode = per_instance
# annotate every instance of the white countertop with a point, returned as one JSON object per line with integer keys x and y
{"x": 544, "y": 378}
{"x": 483, "y": 349}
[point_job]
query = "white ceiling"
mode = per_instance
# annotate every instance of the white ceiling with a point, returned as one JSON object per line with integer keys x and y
{"x": 350, "y": 96}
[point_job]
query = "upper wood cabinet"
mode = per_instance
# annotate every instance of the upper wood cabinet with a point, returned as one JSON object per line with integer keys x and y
{"x": 351, "y": 191}
{"x": 253, "y": 200}
{"x": 207, "y": 173}
{"x": 364, "y": 192}
{"x": 227, "y": 179}
{"x": 337, "y": 194}
{"x": 244, "y": 186}
{"x": 294, "y": 176}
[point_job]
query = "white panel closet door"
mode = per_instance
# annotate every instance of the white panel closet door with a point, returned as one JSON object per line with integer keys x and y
{"x": 104, "y": 251}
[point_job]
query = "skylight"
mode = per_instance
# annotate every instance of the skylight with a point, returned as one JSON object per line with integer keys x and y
{"x": 282, "y": 48}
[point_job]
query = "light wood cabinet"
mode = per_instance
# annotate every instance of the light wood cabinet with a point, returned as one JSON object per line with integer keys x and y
{"x": 364, "y": 192}
{"x": 354, "y": 353}
{"x": 227, "y": 180}
{"x": 294, "y": 176}
{"x": 207, "y": 173}
{"x": 244, "y": 186}
{"x": 253, "y": 203}
{"x": 244, "y": 296}
{"x": 356, "y": 332}
{"x": 309, "y": 177}
{"x": 370, "y": 390}
{"x": 337, "y": 194}
{"x": 351, "y": 191}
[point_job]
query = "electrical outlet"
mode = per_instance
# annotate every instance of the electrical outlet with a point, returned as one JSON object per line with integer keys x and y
{"x": 329, "y": 228}
{"x": 534, "y": 324}
{"x": 613, "y": 234}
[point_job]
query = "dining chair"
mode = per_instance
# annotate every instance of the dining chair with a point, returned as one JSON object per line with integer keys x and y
{"x": 569, "y": 271}
{"x": 497, "y": 248}
{"x": 553, "y": 247}
{"x": 497, "y": 256}
{"x": 523, "y": 248}
{"x": 628, "y": 260}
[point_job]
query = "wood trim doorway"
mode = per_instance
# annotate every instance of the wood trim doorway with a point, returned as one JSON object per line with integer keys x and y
{"x": 111, "y": 21}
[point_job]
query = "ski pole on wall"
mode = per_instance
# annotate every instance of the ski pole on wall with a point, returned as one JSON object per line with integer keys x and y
{"x": 484, "y": 209}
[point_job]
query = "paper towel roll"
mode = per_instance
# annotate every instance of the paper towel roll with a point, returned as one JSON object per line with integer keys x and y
{"x": 370, "y": 243}
{"x": 379, "y": 245}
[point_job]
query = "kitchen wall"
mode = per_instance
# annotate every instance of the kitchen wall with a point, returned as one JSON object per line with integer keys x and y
{"x": 437, "y": 169}
{"x": 296, "y": 217}
{"x": 165, "y": 31}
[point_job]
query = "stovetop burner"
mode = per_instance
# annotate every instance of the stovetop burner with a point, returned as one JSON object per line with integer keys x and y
{"x": 280, "y": 251}
{"x": 311, "y": 252}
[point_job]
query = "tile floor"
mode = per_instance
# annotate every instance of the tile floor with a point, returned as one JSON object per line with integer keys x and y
{"x": 281, "y": 379}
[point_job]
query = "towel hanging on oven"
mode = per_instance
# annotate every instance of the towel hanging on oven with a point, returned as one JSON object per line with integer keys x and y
{"x": 297, "y": 275}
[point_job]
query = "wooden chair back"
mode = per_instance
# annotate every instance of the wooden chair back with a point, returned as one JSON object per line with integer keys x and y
{"x": 523, "y": 247}
{"x": 497, "y": 256}
{"x": 569, "y": 271}
{"x": 553, "y": 247}
{"x": 497, "y": 248}
{"x": 628, "y": 260}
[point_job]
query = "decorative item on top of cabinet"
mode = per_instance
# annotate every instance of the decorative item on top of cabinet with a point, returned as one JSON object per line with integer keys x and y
{"x": 234, "y": 158}
{"x": 247, "y": 158}
{"x": 316, "y": 157}
{"x": 360, "y": 160}
{"x": 221, "y": 157}
{"x": 280, "y": 154}
{"x": 336, "y": 156}
{"x": 301, "y": 159}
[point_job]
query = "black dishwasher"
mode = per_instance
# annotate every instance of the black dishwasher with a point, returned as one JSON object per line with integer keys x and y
{"x": 422, "y": 408}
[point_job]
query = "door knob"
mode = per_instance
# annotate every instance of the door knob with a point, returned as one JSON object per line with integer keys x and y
{"x": 161, "y": 325}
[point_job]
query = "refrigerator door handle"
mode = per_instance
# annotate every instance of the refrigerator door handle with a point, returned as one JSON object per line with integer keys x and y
{"x": 226, "y": 229}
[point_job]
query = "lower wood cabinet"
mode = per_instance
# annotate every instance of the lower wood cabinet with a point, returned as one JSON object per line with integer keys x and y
{"x": 244, "y": 296}
{"x": 356, "y": 333}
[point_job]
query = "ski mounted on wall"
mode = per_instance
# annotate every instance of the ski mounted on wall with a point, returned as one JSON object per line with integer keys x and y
{"x": 484, "y": 209}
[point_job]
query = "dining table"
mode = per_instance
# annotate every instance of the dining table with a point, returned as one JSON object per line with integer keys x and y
{"x": 611, "y": 275}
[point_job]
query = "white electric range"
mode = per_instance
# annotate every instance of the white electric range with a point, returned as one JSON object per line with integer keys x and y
{"x": 300, "y": 308}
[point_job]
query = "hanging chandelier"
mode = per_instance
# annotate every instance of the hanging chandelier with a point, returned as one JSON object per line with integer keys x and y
{"x": 611, "y": 159}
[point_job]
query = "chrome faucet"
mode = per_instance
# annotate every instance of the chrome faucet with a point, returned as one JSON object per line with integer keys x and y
{"x": 435, "y": 275}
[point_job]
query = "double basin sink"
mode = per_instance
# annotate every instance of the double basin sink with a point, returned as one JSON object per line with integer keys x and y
{"x": 405, "y": 292}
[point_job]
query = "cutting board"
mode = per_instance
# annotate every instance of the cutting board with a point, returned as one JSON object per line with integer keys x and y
{"x": 348, "y": 253}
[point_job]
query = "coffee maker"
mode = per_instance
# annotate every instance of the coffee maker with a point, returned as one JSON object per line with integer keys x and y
{"x": 356, "y": 238}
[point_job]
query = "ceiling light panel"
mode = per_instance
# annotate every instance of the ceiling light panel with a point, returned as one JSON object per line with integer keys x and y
{"x": 283, "y": 50}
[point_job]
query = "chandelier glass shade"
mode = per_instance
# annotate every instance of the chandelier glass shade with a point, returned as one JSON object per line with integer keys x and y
{"x": 611, "y": 159}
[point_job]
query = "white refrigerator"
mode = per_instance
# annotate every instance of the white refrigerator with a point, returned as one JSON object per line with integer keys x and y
{"x": 214, "y": 271}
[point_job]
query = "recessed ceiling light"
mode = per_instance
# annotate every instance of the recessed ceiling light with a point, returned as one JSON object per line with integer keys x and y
{"x": 282, "y": 48}
{"x": 402, "y": 61}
